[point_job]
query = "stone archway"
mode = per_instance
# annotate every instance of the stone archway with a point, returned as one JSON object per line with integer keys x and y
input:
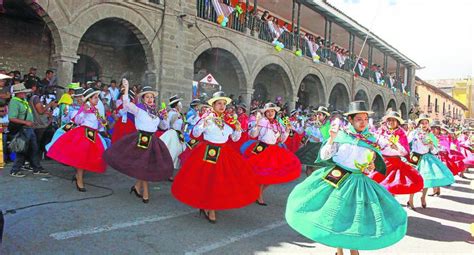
{"x": 392, "y": 104}
{"x": 378, "y": 107}
{"x": 362, "y": 95}
{"x": 339, "y": 98}
{"x": 224, "y": 66}
{"x": 404, "y": 111}
{"x": 115, "y": 46}
{"x": 311, "y": 92}
{"x": 86, "y": 69}
{"x": 273, "y": 81}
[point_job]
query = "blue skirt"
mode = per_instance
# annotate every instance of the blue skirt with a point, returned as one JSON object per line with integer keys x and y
{"x": 434, "y": 172}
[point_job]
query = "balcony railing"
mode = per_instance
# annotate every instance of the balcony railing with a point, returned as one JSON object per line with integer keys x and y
{"x": 249, "y": 22}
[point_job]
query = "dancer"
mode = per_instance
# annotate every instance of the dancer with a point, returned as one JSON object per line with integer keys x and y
{"x": 400, "y": 177}
{"x": 88, "y": 144}
{"x": 124, "y": 121}
{"x": 339, "y": 206}
{"x": 317, "y": 132}
{"x": 296, "y": 133}
{"x": 141, "y": 155}
{"x": 271, "y": 163}
{"x": 215, "y": 177}
{"x": 424, "y": 147}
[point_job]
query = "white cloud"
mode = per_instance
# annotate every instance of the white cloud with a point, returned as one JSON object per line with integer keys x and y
{"x": 436, "y": 34}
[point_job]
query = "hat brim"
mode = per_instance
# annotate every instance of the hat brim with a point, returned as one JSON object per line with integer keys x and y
{"x": 277, "y": 109}
{"x": 214, "y": 99}
{"x": 326, "y": 113}
{"x": 204, "y": 105}
{"x": 4, "y": 77}
{"x": 400, "y": 120}
{"x": 420, "y": 119}
{"x": 175, "y": 101}
{"x": 356, "y": 112}
{"x": 92, "y": 94}
{"x": 23, "y": 91}
{"x": 155, "y": 93}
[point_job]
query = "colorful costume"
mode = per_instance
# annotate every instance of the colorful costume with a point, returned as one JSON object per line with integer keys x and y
{"x": 339, "y": 206}
{"x": 215, "y": 176}
{"x": 141, "y": 155}
{"x": 433, "y": 171}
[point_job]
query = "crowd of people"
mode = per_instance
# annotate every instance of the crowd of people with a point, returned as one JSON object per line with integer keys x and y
{"x": 222, "y": 155}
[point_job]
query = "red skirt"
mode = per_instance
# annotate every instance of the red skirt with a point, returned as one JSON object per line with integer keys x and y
{"x": 453, "y": 160}
{"x": 228, "y": 183}
{"x": 184, "y": 156}
{"x": 75, "y": 149}
{"x": 273, "y": 165}
{"x": 243, "y": 138}
{"x": 400, "y": 177}
{"x": 122, "y": 129}
{"x": 293, "y": 143}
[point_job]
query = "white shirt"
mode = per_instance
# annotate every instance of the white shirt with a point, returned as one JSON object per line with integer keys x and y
{"x": 114, "y": 92}
{"x": 345, "y": 154}
{"x": 312, "y": 131}
{"x": 417, "y": 138}
{"x": 143, "y": 120}
{"x": 88, "y": 120}
{"x": 175, "y": 119}
{"x": 214, "y": 133}
{"x": 269, "y": 133}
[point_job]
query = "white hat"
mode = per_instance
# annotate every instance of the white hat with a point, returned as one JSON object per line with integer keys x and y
{"x": 394, "y": 115}
{"x": 174, "y": 99}
{"x": 90, "y": 92}
{"x": 219, "y": 95}
{"x": 271, "y": 106}
{"x": 146, "y": 90}
{"x": 20, "y": 88}
{"x": 4, "y": 76}
{"x": 423, "y": 117}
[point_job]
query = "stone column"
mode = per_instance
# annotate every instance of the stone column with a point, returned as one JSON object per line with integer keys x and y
{"x": 292, "y": 103}
{"x": 64, "y": 69}
{"x": 247, "y": 96}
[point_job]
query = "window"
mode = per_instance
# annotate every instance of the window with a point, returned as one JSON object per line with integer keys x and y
{"x": 429, "y": 100}
{"x": 444, "y": 108}
{"x": 436, "y": 104}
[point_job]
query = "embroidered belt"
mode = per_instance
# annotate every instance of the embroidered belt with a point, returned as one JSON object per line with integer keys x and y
{"x": 144, "y": 139}
{"x": 212, "y": 153}
{"x": 180, "y": 136}
{"x": 336, "y": 176}
{"x": 69, "y": 126}
{"x": 91, "y": 134}
{"x": 192, "y": 143}
{"x": 415, "y": 157}
{"x": 259, "y": 147}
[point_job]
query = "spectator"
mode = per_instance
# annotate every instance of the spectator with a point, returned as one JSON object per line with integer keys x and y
{"x": 42, "y": 116}
{"x": 48, "y": 79}
{"x": 105, "y": 95}
{"x": 114, "y": 91}
{"x": 264, "y": 16}
{"x": 32, "y": 75}
{"x": 21, "y": 118}
{"x": 5, "y": 94}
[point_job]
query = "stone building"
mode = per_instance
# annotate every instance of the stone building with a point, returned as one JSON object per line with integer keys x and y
{"x": 438, "y": 104}
{"x": 167, "y": 44}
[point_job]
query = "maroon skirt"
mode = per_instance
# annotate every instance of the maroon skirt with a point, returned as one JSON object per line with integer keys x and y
{"x": 149, "y": 161}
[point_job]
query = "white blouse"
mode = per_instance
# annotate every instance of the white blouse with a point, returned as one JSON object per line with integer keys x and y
{"x": 269, "y": 133}
{"x": 89, "y": 120}
{"x": 345, "y": 154}
{"x": 214, "y": 133}
{"x": 143, "y": 120}
{"x": 175, "y": 119}
{"x": 416, "y": 138}
{"x": 384, "y": 142}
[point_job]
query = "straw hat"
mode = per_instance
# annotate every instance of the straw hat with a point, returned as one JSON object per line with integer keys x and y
{"x": 270, "y": 106}
{"x": 20, "y": 88}
{"x": 174, "y": 99}
{"x": 423, "y": 116}
{"x": 394, "y": 115}
{"x": 4, "y": 76}
{"x": 323, "y": 110}
{"x": 219, "y": 95}
{"x": 195, "y": 102}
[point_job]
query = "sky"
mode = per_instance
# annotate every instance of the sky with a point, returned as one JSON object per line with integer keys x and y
{"x": 436, "y": 34}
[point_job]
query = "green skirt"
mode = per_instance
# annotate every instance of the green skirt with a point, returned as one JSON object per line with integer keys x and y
{"x": 434, "y": 172}
{"x": 359, "y": 214}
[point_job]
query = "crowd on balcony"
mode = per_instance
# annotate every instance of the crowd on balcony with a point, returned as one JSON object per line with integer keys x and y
{"x": 279, "y": 32}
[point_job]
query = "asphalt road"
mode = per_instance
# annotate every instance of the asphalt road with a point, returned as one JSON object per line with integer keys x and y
{"x": 111, "y": 221}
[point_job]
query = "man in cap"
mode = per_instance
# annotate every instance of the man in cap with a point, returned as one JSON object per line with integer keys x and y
{"x": 21, "y": 120}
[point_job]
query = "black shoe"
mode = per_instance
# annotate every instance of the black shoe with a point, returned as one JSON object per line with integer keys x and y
{"x": 434, "y": 194}
{"x": 201, "y": 211}
{"x": 261, "y": 203}
{"x": 134, "y": 190}
{"x": 41, "y": 172}
{"x": 171, "y": 179}
{"x": 18, "y": 174}
{"x": 145, "y": 201}
{"x": 74, "y": 179}
{"x": 27, "y": 167}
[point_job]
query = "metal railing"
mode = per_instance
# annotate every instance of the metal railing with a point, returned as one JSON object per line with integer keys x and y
{"x": 260, "y": 28}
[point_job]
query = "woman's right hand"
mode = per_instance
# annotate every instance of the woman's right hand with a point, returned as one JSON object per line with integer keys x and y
{"x": 125, "y": 84}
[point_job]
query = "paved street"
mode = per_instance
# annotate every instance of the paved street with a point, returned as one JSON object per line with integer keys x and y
{"x": 122, "y": 224}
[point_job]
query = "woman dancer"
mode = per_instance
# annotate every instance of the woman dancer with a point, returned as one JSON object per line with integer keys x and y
{"x": 88, "y": 144}
{"x": 331, "y": 206}
{"x": 215, "y": 177}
